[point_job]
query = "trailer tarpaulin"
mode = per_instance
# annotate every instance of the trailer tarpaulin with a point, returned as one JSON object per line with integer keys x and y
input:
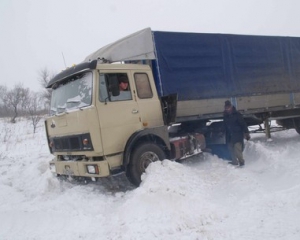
{"x": 199, "y": 66}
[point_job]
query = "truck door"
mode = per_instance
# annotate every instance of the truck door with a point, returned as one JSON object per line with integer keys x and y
{"x": 147, "y": 99}
{"x": 118, "y": 111}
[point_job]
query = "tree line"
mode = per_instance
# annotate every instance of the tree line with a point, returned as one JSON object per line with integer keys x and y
{"x": 22, "y": 102}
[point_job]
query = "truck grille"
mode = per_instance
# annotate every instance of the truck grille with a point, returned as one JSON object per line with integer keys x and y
{"x": 72, "y": 143}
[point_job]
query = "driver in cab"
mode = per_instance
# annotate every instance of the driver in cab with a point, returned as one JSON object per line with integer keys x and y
{"x": 125, "y": 93}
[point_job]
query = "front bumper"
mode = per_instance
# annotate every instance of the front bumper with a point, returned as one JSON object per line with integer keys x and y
{"x": 80, "y": 168}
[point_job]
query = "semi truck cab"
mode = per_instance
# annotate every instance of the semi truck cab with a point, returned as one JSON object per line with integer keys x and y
{"x": 95, "y": 128}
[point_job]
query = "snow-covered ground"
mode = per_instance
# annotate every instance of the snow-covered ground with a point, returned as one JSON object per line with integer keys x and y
{"x": 202, "y": 198}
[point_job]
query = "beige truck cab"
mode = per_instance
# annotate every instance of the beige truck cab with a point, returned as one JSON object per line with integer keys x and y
{"x": 96, "y": 128}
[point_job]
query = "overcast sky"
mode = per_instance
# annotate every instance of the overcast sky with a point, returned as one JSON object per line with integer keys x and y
{"x": 35, "y": 34}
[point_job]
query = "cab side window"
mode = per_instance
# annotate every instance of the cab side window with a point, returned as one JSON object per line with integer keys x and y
{"x": 114, "y": 87}
{"x": 143, "y": 86}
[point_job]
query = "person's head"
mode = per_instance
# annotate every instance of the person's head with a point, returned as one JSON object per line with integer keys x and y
{"x": 228, "y": 106}
{"x": 123, "y": 83}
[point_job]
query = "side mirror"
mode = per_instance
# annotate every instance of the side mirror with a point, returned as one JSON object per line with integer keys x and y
{"x": 114, "y": 86}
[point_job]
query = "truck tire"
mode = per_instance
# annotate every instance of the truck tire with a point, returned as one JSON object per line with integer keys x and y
{"x": 297, "y": 125}
{"x": 297, "y": 128}
{"x": 141, "y": 157}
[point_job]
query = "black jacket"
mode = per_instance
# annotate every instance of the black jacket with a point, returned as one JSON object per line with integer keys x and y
{"x": 235, "y": 126}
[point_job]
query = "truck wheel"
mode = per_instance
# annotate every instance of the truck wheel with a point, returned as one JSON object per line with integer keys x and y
{"x": 142, "y": 156}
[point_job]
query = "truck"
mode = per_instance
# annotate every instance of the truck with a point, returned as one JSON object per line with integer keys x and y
{"x": 177, "y": 84}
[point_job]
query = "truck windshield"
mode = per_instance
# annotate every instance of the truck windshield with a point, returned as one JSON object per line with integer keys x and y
{"x": 74, "y": 93}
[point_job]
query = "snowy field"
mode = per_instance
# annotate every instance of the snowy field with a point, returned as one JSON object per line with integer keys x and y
{"x": 202, "y": 198}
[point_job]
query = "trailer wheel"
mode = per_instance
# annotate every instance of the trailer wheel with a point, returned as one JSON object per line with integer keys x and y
{"x": 297, "y": 125}
{"x": 142, "y": 156}
{"x": 297, "y": 128}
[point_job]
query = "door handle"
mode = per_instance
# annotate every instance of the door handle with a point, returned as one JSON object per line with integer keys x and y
{"x": 134, "y": 111}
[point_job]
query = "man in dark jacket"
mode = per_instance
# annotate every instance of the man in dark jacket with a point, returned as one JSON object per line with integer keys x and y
{"x": 236, "y": 131}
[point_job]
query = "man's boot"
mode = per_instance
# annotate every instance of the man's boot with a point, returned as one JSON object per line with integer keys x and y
{"x": 233, "y": 163}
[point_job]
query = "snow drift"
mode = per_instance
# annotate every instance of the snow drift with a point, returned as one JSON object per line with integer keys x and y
{"x": 202, "y": 198}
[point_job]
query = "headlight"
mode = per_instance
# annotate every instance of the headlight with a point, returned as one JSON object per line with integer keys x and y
{"x": 92, "y": 169}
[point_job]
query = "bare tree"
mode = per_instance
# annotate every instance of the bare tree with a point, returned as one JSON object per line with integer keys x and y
{"x": 16, "y": 99}
{"x": 34, "y": 109}
{"x": 3, "y": 109}
{"x": 3, "y": 90}
{"x": 44, "y": 77}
